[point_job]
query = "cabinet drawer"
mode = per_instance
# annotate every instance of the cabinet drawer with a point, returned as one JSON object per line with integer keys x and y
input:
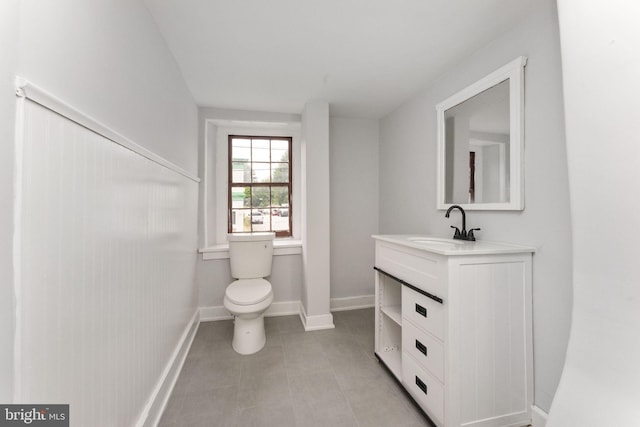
{"x": 423, "y": 312}
{"x": 421, "y": 269}
{"x": 425, "y": 389}
{"x": 425, "y": 349}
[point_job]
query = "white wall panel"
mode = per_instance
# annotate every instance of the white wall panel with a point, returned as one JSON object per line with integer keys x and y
{"x": 107, "y": 263}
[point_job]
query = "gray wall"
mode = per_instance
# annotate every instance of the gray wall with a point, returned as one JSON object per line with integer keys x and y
{"x": 354, "y": 205}
{"x": 354, "y": 213}
{"x": 215, "y": 275}
{"x": 108, "y": 59}
{"x": 408, "y": 179}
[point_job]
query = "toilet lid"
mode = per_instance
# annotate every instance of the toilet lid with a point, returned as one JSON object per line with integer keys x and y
{"x": 248, "y": 291}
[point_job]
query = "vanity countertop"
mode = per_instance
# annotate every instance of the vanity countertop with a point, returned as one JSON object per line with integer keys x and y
{"x": 444, "y": 246}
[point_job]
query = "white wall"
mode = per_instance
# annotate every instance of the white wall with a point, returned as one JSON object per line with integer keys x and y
{"x": 9, "y": 20}
{"x": 354, "y": 205}
{"x": 214, "y": 275}
{"x": 601, "y": 65}
{"x": 354, "y": 213}
{"x": 316, "y": 223}
{"x": 108, "y": 59}
{"x": 408, "y": 179}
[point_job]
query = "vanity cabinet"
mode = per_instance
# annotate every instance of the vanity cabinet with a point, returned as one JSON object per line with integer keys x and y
{"x": 453, "y": 325}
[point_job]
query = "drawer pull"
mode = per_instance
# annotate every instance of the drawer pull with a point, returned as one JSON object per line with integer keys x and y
{"x": 421, "y": 385}
{"x": 421, "y": 310}
{"x": 421, "y": 347}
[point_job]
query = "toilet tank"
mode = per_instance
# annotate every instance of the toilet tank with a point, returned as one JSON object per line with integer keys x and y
{"x": 250, "y": 254}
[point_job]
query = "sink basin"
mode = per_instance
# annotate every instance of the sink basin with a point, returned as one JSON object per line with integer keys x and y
{"x": 436, "y": 242}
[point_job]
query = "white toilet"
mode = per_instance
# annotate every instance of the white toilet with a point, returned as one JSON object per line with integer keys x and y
{"x": 248, "y": 297}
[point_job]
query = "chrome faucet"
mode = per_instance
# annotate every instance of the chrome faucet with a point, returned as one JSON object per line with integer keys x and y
{"x": 462, "y": 234}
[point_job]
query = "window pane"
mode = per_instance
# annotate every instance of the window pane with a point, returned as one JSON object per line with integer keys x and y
{"x": 279, "y": 150}
{"x": 260, "y": 220}
{"x": 260, "y": 150}
{"x": 261, "y": 168}
{"x": 279, "y": 197}
{"x": 260, "y": 172}
{"x": 280, "y": 172}
{"x": 241, "y": 149}
{"x": 260, "y": 197}
{"x": 240, "y": 197}
{"x": 240, "y": 220}
{"x": 241, "y": 172}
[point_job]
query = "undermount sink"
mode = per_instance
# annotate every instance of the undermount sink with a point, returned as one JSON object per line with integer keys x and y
{"x": 435, "y": 241}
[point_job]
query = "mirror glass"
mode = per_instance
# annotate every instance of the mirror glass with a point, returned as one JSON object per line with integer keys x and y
{"x": 480, "y": 143}
{"x": 477, "y": 148}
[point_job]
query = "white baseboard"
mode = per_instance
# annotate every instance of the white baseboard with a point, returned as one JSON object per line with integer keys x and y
{"x": 218, "y": 312}
{"x": 352, "y": 303}
{"x": 280, "y": 308}
{"x": 316, "y": 322}
{"x": 287, "y": 308}
{"x": 158, "y": 401}
{"x": 538, "y": 417}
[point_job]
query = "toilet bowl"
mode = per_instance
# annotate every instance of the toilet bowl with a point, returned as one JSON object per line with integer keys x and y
{"x": 248, "y": 297}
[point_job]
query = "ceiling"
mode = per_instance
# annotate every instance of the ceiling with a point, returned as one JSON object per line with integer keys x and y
{"x": 365, "y": 57}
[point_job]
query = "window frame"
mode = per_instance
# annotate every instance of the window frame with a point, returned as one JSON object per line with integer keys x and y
{"x": 289, "y": 184}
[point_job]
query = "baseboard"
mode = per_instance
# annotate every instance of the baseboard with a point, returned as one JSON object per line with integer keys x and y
{"x": 538, "y": 417}
{"x": 352, "y": 303}
{"x": 158, "y": 401}
{"x": 316, "y": 322}
{"x": 280, "y": 308}
{"x": 287, "y": 308}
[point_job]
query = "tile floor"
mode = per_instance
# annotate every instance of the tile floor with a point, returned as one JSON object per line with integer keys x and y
{"x": 304, "y": 379}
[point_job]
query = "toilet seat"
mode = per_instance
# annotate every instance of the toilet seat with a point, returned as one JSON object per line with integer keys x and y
{"x": 248, "y": 291}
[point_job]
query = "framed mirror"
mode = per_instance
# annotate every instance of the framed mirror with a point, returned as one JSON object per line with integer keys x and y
{"x": 481, "y": 143}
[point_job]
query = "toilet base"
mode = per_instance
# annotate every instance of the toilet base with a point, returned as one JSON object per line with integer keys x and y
{"x": 248, "y": 334}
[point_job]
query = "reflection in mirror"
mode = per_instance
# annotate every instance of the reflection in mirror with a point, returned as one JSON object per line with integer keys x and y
{"x": 480, "y": 142}
{"x": 477, "y": 148}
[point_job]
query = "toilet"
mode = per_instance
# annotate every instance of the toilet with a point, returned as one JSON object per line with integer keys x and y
{"x": 250, "y": 295}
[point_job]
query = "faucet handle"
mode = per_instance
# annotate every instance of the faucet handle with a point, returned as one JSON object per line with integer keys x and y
{"x": 457, "y": 233}
{"x": 470, "y": 236}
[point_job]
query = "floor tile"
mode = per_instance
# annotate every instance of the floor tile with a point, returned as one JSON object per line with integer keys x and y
{"x": 271, "y": 415}
{"x": 299, "y": 379}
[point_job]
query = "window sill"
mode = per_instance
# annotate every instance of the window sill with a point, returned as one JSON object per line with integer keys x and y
{"x": 280, "y": 247}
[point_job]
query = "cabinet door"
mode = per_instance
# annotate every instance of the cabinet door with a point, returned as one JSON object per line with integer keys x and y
{"x": 491, "y": 309}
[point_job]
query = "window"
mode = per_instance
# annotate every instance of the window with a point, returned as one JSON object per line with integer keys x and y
{"x": 259, "y": 184}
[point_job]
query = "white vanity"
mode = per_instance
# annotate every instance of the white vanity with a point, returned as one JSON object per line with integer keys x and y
{"x": 453, "y": 324}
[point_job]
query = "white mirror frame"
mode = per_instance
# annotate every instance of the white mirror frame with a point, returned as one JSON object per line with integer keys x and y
{"x": 514, "y": 72}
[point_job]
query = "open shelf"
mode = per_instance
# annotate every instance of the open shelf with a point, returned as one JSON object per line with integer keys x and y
{"x": 389, "y": 327}
{"x": 392, "y": 358}
{"x": 393, "y": 312}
